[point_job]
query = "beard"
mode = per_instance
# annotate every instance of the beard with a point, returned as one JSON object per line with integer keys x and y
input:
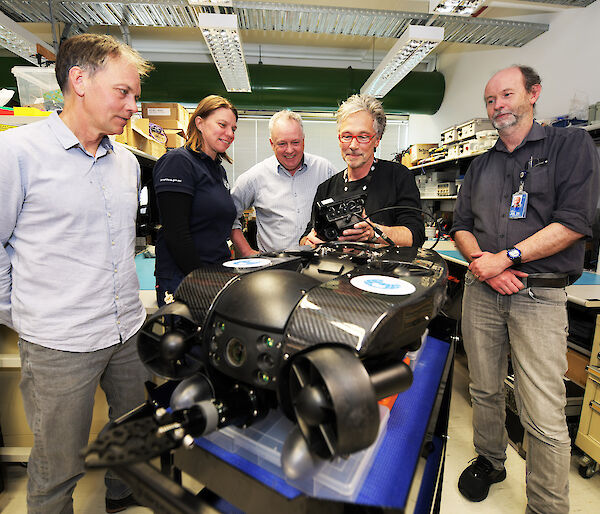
{"x": 510, "y": 119}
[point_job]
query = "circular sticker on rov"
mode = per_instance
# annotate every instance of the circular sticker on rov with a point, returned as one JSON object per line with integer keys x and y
{"x": 382, "y": 284}
{"x": 247, "y": 263}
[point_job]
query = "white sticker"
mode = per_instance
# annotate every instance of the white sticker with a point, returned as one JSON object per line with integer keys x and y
{"x": 247, "y": 263}
{"x": 382, "y": 284}
{"x": 159, "y": 111}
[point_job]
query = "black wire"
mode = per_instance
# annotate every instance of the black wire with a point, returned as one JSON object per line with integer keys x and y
{"x": 377, "y": 231}
{"x": 387, "y": 239}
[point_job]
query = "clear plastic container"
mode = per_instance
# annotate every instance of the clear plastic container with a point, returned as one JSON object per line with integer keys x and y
{"x": 38, "y": 87}
{"x": 261, "y": 443}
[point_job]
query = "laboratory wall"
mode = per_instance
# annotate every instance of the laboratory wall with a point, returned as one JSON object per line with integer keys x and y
{"x": 566, "y": 57}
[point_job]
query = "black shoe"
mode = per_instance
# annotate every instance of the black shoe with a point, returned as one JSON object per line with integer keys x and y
{"x": 474, "y": 482}
{"x": 122, "y": 504}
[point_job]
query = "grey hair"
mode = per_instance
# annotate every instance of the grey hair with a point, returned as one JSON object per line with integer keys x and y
{"x": 286, "y": 114}
{"x": 368, "y": 103}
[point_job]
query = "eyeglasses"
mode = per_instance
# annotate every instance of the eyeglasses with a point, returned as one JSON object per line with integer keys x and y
{"x": 360, "y": 139}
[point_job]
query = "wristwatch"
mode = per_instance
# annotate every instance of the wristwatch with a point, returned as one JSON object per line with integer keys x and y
{"x": 514, "y": 254}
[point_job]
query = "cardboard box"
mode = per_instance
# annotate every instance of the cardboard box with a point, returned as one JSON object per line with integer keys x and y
{"x": 175, "y": 138}
{"x": 406, "y": 159}
{"x": 167, "y": 115}
{"x": 137, "y": 134}
{"x": 126, "y": 137}
{"x": 143, "y": 141}
{"x": 420, "y": 151}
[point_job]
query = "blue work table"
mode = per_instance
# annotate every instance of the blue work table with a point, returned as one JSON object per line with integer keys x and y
{"x": 391, "y": 478}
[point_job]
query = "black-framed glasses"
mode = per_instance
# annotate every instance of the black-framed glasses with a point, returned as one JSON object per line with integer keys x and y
{"x": 361, "y": 138}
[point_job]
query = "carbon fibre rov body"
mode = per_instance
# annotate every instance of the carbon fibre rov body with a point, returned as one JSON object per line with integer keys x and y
{"x": 321, "y": 334}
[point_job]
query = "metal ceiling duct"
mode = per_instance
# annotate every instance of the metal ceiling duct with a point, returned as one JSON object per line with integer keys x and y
{"x": 569, "y": 3}
{"x": 271, "y": 16}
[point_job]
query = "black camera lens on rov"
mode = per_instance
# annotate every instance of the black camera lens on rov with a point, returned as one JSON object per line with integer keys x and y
{"x": 235, "y": 351}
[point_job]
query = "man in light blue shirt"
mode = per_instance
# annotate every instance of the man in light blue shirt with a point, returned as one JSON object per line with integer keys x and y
{"x": 68, "y": 285}
{"x": 281, "y": 188}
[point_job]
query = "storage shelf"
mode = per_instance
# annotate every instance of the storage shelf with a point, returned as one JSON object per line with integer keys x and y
{"x": 593, "y": 126}
{"x": 17, "y": 121}
{"x": 438, "y": 197}
{"x": 139, "y": 153}
{"x": 442, "y": 161}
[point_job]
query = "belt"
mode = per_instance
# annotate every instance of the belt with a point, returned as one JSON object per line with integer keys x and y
{"x": 546, "y": 280}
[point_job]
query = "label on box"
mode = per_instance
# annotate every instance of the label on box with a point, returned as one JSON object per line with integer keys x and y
{"x": 159, "y": 111}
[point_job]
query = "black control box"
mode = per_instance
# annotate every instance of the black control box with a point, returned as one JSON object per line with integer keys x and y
{"x": 333, "y": 217}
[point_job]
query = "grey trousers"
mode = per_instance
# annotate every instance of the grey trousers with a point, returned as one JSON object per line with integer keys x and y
{"x": 58, "y": 391}
{"x": 532, "y": 325}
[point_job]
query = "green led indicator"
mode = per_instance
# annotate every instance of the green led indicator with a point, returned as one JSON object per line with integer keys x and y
{"x": 220, "y": 328}
{"x": 264, "y": 377}
{"x": 269, "y": 341}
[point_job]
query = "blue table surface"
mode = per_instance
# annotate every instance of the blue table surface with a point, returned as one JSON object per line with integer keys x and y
{"x": 145, "y": 271}
{"x": 586, "y": 279}
{"x": 389, "y": 480}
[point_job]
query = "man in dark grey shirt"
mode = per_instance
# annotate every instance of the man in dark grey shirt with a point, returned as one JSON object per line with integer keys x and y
{"x": 521, "y": 217}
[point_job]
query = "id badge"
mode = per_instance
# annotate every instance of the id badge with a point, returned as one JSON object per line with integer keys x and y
{"x": 518, "y": 205}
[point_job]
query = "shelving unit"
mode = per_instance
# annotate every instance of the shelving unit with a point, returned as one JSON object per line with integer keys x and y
{"x": 437, "y": 197}
{"x": 447, "y": 162}
{"x": 142, "y": 156}
{"x": 588, "y": 435}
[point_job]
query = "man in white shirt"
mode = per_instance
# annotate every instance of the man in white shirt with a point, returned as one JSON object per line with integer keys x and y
{"x": 281, "y": 188}
{"x": 68, "y": 284}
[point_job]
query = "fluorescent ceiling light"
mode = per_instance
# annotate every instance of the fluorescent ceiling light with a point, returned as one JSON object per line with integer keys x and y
{"x": 410, "y": 49}
{"x": 20, "y": 41}
{"x": 221, "y": 34}
{"x": 455, "y": 7}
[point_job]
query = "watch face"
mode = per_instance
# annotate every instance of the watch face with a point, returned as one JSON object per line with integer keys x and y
{"x": 513, "y": 253}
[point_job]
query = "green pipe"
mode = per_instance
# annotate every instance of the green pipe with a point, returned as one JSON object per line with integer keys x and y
{"x": 277, "y": 87}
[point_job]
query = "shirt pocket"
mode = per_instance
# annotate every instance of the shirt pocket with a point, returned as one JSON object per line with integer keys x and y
{"x": 538, "y": 180}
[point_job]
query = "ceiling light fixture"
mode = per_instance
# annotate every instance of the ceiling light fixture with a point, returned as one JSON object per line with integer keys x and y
{"x": 455, "y": 7}
{"x": 410, "y": 49}
{"x": 22, "y": 42}
{"x": 221, "y": 34}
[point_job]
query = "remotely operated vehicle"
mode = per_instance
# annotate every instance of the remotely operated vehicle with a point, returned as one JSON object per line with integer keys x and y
{"x": 319, "y": 333}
